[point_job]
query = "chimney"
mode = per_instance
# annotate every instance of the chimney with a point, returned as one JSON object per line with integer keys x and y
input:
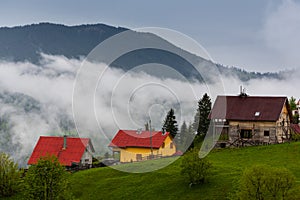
{"x": 243, "y": 92}
{"x": 65, "y": 142}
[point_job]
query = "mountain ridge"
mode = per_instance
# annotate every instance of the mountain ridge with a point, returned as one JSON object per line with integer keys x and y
{"x": 27, "y": 42}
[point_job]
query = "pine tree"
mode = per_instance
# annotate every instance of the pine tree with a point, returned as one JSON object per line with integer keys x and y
{"x": 183, "y": 133}
{"x": 170, "y": 123}
{"x": 201, "y": 120}
{"x": 185, "y": 137}
{"x": 191, "y": 132}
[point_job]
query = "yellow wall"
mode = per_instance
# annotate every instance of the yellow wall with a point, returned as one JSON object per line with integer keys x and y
{"x": 129, "y": 154}
{"x": 167, "y": 151}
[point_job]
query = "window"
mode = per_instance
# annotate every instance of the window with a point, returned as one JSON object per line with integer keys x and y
{"x": 86, "y": 160}
{"x": 266, "y": 133}
{"x": 246, "y": 133}
{"x": 138, "y": 157}
{"x": 171, "y": 145}
{"x": 163, "y": 145}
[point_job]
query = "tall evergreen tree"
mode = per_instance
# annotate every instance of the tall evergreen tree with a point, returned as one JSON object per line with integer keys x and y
{"x": 186, "y": 137}
{"x": 183, "y": 133}
{"x": 201, "y": 120}
{"x": 191, "y": 132}
{"x": 170, "y": 123}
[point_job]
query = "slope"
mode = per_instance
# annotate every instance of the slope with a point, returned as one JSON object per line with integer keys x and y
{"x": 167, "y": 183}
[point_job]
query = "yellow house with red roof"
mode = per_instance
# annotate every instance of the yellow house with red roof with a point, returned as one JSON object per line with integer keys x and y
{"x": 142, "y": 145}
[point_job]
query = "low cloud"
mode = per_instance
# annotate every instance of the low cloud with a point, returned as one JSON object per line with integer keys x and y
{"x": 37, "y": 100}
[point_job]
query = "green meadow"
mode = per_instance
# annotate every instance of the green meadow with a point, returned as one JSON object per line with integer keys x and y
{"x": 168, "y": 183}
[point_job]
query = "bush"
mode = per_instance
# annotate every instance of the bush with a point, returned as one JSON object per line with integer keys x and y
{"x": 48, "y": 179}
{"x": 295, "y": 136}
{"x": 197, "y": 170}
{"x": 263, "y": 182}
{"x": 9, "y": 176}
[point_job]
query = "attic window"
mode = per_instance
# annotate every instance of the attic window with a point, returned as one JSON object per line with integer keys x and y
{"x": 257, "y": 114}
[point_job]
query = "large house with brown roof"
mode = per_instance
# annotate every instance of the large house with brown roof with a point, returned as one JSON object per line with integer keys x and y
{"x": 138, "y": 145}
{"x": 70, "y": 151}
{"x": 250, "y": 120}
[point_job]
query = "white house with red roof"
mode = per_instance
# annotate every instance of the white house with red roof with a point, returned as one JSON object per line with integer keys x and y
{"x": 138, "y": 145}
{"x": 69, "y": 150}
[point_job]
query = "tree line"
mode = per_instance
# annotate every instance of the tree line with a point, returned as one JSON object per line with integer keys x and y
{"x": 191, "y": 133}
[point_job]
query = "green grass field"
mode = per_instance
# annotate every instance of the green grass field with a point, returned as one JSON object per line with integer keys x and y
{"x": 168, "y": 183}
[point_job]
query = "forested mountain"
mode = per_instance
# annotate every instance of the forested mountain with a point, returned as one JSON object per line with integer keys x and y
{"x": 35, "y": 98}
{"x": 26, "y": 43}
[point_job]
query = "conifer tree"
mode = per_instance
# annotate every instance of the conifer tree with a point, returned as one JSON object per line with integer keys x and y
{"x": 201, "y": 120}
{"x": 183, "y": 133}
{"x": 170, "y": 123}
{"x": 186, "y": 136}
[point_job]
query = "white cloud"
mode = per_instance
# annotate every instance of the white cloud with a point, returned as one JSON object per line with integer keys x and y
{"x": 123, "y": 100}
{"x": 273, "y": 45}
{"x": 281, "y": 32}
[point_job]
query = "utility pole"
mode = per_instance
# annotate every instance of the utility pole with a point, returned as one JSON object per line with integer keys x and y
{"x": 151, "y": 156}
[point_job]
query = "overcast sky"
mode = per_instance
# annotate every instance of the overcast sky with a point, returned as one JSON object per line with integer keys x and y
{"x": 259, "y": 35}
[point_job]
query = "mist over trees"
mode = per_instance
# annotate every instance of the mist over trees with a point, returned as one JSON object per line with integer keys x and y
{"x": 78, "y": 41}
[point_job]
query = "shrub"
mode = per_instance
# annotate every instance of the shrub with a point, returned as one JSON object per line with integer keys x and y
{"x": 295, "y": 136}
{"x": 197, "y": 170}
{"x": 263, "y": 182}
{"x": 48, "y": 179}
{"x": 9, "y": 176}
{"x": 253, "y": 183}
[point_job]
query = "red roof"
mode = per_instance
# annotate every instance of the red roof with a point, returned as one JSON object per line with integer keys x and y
{"x": 54, "y": 146}
{"x": 296, "y": 128}
{"x": 131, "y": 138}
{"x": 250, "y": 108}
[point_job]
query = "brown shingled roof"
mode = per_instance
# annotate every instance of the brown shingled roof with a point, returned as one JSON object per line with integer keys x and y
{"x": 250, "y": 108}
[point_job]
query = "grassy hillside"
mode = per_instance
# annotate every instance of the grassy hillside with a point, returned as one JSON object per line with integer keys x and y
{"x": 167, "y": 183}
